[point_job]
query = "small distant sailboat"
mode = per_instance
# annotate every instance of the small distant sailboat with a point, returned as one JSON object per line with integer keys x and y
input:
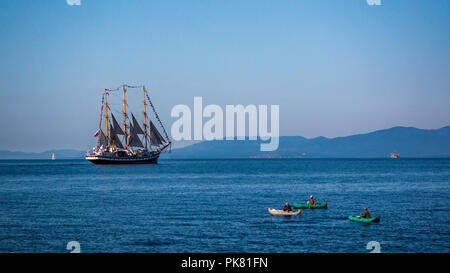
{"x": 394, "y": 155}
{"x": 53, "y": 156}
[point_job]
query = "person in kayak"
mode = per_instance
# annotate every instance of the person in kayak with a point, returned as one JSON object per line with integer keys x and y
{"x": 312, "y": 201}
{"x": 287, "y": 207}
{"x": 366, "y": 214}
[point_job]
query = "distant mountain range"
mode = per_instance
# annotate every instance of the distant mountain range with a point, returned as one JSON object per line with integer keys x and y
{"x": 407, "y": 141}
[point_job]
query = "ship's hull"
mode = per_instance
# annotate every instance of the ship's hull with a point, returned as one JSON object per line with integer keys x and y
{"x": 122, "y": 160}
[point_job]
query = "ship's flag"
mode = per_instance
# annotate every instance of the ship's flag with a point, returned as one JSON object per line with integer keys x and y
{"x": 97, "y": 133}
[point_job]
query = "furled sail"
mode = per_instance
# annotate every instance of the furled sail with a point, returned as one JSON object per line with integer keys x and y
{"x": 116, "y": 130}
{"x": 115, "y": 141}
{"x": 155, "y": 137}
{"x": 137, "y": 128}
{"x": 102, "y": 139}
{"x": 134, "y": 140}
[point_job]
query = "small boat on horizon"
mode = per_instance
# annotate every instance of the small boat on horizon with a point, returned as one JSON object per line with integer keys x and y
{"x": 53, "y": 156}
{"x": 394, "y": 155}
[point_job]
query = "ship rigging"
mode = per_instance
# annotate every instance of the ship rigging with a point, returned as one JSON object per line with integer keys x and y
{"x": 128, "y": 143}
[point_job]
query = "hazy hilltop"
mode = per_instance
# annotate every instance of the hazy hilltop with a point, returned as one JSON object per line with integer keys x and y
{"x": 407, "y": 141}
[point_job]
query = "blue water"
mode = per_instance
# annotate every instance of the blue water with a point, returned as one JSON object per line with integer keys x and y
{"x": 221, "y": 205}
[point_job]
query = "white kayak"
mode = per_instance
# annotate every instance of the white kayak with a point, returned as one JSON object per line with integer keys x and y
{"x": 282, "y": 212}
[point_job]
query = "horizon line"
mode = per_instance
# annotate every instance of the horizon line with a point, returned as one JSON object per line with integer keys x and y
{"x": 201, "y": 141}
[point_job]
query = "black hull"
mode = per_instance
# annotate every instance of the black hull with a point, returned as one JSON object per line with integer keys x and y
{"x": 148, "y": 158}
{"x": 99, "y": 161}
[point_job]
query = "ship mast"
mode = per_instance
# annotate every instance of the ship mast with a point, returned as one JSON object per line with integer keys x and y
{"x": 106, "y": 118}
{"x": 145, "y": 117}
{"x": 125, "y": 118}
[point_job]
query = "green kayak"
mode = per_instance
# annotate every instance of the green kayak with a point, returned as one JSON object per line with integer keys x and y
{"x": 322, "y": 205}
{"x": 355, "y": 218}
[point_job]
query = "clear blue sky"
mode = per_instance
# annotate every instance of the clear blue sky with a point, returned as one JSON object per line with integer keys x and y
{"x": 335, "y": 67}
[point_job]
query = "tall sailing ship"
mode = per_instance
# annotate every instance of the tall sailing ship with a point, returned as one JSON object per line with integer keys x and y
{"x": 130, "y": 143}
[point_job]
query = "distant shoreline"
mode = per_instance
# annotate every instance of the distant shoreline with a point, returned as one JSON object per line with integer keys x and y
{"x": 409, "y": 142}
{"x": 247, "y": 158}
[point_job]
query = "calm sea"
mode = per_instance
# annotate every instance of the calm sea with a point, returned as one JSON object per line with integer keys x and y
{"x": 221, "y": 205}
